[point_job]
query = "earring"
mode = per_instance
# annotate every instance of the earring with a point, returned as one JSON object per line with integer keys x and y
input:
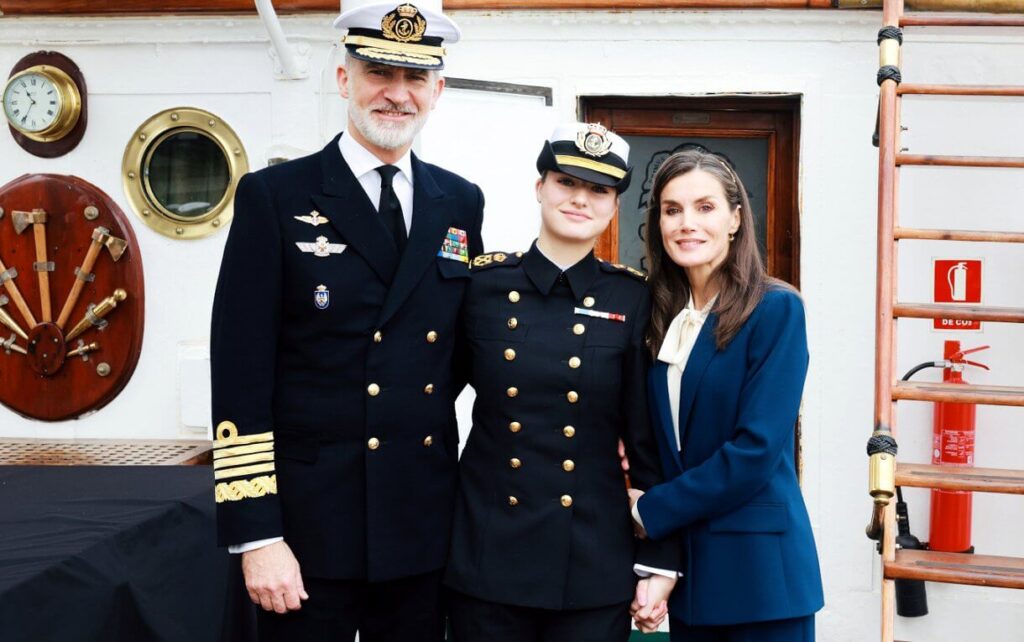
{"x": 732, "y": 237}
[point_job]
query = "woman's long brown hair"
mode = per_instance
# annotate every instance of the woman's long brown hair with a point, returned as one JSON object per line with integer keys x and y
{"x": 741, "y": 278}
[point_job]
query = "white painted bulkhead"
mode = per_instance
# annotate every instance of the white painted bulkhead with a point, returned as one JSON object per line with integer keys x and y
{"x": 135, "y": 67}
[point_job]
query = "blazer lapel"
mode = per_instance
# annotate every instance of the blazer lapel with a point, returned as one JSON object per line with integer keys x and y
{"x": 658, "y": 385}
{"x": 432, "y": 214}
{"x": 346, "y": 207}
{"x": 696, "y": 364}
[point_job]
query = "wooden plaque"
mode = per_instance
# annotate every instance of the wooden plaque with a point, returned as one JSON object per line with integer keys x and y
{"x": 42, "y": 379}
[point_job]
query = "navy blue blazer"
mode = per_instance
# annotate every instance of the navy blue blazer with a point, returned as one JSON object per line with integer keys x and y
{"x": 734, "y": 503}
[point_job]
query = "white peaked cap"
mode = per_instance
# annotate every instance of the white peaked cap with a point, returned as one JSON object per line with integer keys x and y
{"x": 367, "y": 14}
{"x": 569, "y": 132}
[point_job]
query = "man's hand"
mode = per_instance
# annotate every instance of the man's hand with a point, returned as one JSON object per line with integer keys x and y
{"x": 272, "y": 578}
{"x": 634, "y": 496}
{"x": 650, "y": 606}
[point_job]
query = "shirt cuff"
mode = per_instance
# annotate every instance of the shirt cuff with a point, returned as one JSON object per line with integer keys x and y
{"x": 642, "y": 570}
{"x": 235, "y": 549}
{"x": 636, "y": 514}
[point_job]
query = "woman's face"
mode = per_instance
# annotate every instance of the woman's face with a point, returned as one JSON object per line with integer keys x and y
{"x": 696, "y": 221}
{"x": 574, "y": 210}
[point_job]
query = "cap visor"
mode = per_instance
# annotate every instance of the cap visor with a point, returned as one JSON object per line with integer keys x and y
{"x": 395, "y": 59}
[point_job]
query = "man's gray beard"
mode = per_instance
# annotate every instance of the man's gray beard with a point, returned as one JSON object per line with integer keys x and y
{"x": 383, "y": 135}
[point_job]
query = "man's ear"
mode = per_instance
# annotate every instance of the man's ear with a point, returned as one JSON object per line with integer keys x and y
{"x": 342, "y": 79}
{"x": 438, "y": 89}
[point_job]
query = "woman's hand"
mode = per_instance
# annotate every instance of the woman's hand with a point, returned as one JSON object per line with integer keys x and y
{"x": 650, "y": 605}
{"x": 638, "y": 526}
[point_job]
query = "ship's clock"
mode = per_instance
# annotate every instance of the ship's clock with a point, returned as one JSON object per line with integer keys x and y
{"x": 44, "y": 102}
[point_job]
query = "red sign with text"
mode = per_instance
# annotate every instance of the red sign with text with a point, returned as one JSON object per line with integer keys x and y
{"x": 957, "y": 281}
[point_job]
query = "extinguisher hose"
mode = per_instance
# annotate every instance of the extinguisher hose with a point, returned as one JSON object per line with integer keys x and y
{"x": 911, "y": 595}
{"x": 921, "y": 366}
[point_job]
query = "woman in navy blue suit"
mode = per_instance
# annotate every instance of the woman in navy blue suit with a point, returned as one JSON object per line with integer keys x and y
{"x": 731, "y": 350}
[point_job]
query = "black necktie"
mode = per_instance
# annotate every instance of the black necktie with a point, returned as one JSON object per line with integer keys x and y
{"x": 389, "y": 208}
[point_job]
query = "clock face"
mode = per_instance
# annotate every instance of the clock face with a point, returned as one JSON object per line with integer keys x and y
{"x": 32, "y": 102}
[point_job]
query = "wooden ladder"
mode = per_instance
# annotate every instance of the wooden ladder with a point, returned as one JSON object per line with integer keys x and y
{"x": 885, "y": 472}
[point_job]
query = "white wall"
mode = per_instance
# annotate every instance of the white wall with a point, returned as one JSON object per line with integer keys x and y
{"x": 137, "y": 66}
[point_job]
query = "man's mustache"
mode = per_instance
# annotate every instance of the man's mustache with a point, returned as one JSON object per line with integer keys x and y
{"x": 403, "y": 108}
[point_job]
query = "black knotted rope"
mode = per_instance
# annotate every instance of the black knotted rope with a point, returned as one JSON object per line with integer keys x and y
{"x": 882, "y": 443}
{"x": 890, "y": 33}
{"x": 889, "y": 72}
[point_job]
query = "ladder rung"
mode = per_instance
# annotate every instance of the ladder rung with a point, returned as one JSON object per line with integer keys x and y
{"x": 962, "y": 393}
{"x": 960, "y": 90}
{"x": 940, "y": 20}
{"x": 985, "y": 480}
{"x": 956, "y": 311}
{"x": 960, "y": 161}
{"x": 957, "y": 568}
{"x": 958, "y": 235}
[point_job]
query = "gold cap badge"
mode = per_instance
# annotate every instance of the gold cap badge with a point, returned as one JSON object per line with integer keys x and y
{"x": 594, "y": 140}
{"x": 404, "y": 24}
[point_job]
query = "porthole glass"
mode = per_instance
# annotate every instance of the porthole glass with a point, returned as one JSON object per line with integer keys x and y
{"x": 180, "y": 171}
{"x": 187, "y": 174}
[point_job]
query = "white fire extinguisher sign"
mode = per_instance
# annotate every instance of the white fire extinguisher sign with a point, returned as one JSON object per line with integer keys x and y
{"x": 957, "y": 281}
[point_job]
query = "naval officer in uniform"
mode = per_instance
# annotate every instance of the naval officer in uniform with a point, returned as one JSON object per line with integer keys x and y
{"x": 543, "y": 548}
{"x": 332, "y": 347}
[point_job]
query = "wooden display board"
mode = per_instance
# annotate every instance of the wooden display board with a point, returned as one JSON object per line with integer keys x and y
{"x": 40, "y": 377}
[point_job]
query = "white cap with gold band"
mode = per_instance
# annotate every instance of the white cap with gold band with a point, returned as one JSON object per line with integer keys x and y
{"x": 587, "y": 151}
{"x": 404, "y": 34}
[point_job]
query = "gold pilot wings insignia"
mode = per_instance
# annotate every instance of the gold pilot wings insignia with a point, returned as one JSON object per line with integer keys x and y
{"x": 321, "y": 247}
{"x": 314, "y": 218}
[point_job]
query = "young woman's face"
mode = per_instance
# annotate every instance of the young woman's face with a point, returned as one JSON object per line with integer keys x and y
{"x": 696, "y": 221}
{"x": 574, "y": 210}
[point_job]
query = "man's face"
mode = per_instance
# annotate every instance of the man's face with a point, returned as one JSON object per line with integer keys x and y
{"x": 387, "y": 105}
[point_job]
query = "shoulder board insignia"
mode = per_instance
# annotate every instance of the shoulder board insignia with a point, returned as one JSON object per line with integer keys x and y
{"x": 624, "y": 269}
{"x": 495, "y": 258}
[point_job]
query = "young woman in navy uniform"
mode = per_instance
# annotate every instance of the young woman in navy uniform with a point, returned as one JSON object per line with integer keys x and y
{"x": 543, "y": 547}
{"x": 731, "y": 352}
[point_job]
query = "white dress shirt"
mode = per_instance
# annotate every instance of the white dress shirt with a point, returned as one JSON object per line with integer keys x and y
{"x": 364, "y": 166}
{"x": 675, "y": 350}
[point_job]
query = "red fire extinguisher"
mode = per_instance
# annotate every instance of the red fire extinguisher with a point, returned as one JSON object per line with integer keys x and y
{"x": 953, "y": 445}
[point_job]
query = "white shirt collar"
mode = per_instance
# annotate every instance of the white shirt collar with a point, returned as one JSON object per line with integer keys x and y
{"x": 362, "y": 161}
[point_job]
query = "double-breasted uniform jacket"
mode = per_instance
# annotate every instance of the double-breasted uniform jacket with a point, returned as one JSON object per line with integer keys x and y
{"x": 542, "y": 518}
{"x": 733, "y": 505}
{"x": 332, "y": 368}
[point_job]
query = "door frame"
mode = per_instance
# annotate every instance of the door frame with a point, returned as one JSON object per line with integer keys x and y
{"x": 775, "y": 117}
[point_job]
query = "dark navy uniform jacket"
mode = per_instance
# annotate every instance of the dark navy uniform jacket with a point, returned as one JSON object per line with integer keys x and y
{"x": 542, "y": 519}
{"x": 734, "y": 506}
{"x": 333, "y": 378}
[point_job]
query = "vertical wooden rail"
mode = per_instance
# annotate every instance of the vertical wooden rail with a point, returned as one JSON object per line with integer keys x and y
{"x": 885, "y": 336}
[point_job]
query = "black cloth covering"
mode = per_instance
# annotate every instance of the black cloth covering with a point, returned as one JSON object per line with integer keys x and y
{"x": 115, "y": 553}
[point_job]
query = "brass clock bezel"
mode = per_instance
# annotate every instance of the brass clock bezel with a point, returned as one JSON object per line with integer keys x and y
{"x": 139, "y": 152}
{"x": 69, "y": 103}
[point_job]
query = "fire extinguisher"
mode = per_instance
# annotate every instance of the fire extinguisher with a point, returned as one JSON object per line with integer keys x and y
{"x": 953, "y": 445}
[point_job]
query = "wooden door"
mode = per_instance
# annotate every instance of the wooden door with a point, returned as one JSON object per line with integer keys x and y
{"x": 759, "y": 134}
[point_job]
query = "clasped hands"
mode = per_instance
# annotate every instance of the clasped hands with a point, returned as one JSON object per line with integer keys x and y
{"x": 650, "y": 605}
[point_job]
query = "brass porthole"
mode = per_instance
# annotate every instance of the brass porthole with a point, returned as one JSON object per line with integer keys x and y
{"x": 180, "y": 171}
